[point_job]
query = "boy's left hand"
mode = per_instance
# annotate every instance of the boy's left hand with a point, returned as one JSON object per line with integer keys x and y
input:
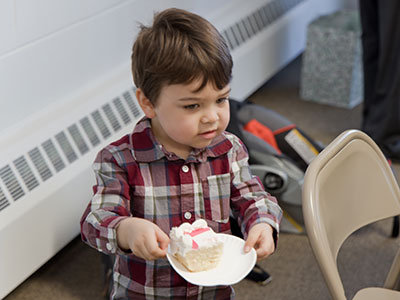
{"x": 260, "y": 237}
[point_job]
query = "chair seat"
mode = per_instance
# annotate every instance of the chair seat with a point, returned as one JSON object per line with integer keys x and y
{"x": 377, "y": 293}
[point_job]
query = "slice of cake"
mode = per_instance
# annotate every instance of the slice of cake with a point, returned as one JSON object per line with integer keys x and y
{"x": 196, "y": 246}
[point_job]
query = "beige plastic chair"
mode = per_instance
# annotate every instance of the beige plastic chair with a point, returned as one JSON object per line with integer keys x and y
{"x": 347, "y": 186}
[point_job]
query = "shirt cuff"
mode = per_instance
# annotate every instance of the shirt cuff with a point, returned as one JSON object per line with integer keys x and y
{"x": 107, "y": 241}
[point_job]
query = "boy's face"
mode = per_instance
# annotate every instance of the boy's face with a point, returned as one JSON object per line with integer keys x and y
{"x": 183, "y": 119}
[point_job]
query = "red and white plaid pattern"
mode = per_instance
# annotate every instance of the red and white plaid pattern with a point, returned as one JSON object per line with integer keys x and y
{"x": 137, "y": 177}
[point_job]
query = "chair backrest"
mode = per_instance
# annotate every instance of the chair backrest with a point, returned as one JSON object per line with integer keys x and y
{"x": 347, "y": 186}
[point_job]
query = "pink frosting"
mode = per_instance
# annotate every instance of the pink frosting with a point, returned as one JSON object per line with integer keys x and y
{"x": 194, "y": 233}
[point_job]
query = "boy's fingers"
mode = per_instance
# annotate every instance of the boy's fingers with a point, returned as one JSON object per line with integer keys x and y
{"x": 263, "y": 253}
{"x": 156, "y": 247}
{"x": 152, "y": 249}
{"x": 140, "y": 251}
{"x": 162, "y": 239}
{"x": 263, "y": 250}
{"x": 250, "y": 242}
{"x": 266, "y": 247}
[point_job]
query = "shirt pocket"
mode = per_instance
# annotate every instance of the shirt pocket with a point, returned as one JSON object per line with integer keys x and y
{"x": 217, "y": 194}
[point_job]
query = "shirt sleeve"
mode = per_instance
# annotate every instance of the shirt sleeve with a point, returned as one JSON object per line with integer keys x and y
{"x": 109, "y": 205}
{"x": 250, "y": 203}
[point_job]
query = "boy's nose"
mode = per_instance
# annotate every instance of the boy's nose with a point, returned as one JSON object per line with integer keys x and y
{"x": 210, "y": 117}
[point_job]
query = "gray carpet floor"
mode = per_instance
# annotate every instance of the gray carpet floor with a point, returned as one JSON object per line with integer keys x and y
{"x": 75, "y": 273}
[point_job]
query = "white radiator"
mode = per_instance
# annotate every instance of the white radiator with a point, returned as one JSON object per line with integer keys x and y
{"x": 45, "y": 175}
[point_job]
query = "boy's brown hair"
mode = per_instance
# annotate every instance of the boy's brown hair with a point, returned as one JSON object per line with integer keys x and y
{"x": 178, "y": 48}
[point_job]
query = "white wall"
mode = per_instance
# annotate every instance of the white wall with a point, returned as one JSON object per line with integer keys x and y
{"x": 52, "y": 49}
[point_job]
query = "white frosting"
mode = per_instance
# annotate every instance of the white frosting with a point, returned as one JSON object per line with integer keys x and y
{"x": 189, "y": 237}
{"x": 200, "y": 223}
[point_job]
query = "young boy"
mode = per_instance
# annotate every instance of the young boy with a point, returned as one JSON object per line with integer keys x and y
{"x": 178, "y": 165}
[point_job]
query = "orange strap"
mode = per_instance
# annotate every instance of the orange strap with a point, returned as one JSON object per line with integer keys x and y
{"x": 263, "y": 132}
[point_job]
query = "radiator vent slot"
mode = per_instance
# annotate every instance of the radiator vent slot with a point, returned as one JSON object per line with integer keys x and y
{"x": 40, "y": 164}
{"x": 26, "y": 173}
{"x": 121, "y": 110}
{"x": 11, "y": 182}
{"x": 98, "y": 119}
{"x": 78, "y": 139}
{"x": 131, "y": 104}
{"x": 257, "y": 21}
{"x": 89, "y": 130}
{"x": 3, "y": 201}
{"x": 111, "y": 117}
{"x": 66, "y": 147}
{"x": 53, "y": 155}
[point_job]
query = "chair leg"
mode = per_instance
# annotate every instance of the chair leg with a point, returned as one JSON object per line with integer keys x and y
{"x": 396, "y": 227}
{"x": 392, "y": 279}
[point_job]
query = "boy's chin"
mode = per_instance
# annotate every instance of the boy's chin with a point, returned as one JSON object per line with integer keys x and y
{"x": 202, "y": 145}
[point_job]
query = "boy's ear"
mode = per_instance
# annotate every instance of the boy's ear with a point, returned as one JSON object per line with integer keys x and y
{"x": 145, "y": 104}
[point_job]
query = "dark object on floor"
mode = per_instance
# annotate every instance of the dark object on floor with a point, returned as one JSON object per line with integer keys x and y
{"x": 380, "y": 44}
{"x": 259, "y": 276}
{"x": 108, "y": 264}
{"x": 380, "y": 47}
{"x": 396, "y": 219}
{"x": 396, "y": 225}
{"x": 391, "y": 148}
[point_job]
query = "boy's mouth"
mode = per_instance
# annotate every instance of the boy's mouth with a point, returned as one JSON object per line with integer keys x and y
{"x": 209, "y": 134}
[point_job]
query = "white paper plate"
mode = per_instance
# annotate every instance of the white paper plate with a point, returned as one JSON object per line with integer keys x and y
{"x": 233, "y": 267}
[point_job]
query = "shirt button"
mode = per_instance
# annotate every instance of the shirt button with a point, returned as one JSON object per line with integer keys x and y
{"x": 187, "y": 215}
{"x": 108, "y": 246}
{"x": 185, "y": 168}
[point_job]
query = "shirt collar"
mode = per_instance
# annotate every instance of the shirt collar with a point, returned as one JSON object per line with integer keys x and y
{"x": 147, "y": 149}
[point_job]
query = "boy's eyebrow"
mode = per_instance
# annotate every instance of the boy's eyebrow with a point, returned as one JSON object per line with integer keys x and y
{"x": 189, "y": 98}
{"x": 192, "y": 98}
{"x": 227, "y": 92}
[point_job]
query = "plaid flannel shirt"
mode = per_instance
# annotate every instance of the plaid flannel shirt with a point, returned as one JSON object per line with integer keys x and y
{"x": 137, "y": 177}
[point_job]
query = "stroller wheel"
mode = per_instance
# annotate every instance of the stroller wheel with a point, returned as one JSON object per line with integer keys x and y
{"x": 273, "y": 181}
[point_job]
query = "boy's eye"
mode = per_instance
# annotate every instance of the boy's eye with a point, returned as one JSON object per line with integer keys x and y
{"x": 222, "y": 100}
{"x": 191, "y": 106}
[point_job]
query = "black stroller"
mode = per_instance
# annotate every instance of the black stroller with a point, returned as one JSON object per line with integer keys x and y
{"x": 279, "y": 153}
{"x": 280, "y": 157}
{"x": 280, "y": 166}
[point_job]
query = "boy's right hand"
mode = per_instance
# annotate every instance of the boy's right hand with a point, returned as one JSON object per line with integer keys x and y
{"x": 144, "y": 238}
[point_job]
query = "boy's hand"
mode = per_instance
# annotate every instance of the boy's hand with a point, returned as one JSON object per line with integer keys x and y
{"x": 144, "y": 238}
{"x": 260, "y": 237}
